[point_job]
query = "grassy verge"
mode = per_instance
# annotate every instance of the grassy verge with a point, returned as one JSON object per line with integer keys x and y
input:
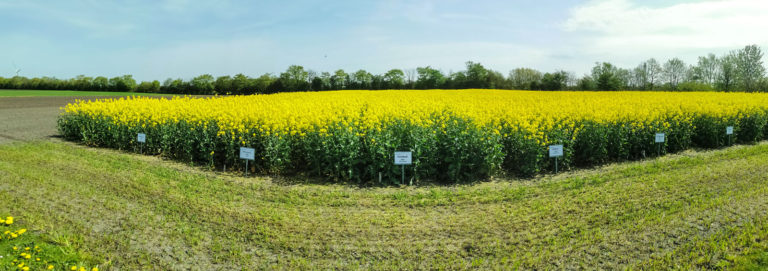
{"x": 703, "y": 210}
{"x": 37, "y": 93}
{"x": 754, "y": 260}
{"x": 25, "y": 250}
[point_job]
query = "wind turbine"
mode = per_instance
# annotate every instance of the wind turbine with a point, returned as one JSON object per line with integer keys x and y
{"x": 17, "y": 68}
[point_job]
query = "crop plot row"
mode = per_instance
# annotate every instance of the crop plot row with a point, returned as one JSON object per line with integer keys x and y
{"x": 455, "y": 135}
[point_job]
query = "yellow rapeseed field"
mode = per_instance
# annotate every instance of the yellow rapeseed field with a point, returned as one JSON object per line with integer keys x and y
{"x": 533, "y": 117}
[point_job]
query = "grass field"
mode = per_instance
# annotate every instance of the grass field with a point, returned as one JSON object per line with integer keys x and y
{"x": 38, "y": 93}
{"x": 694, "y": 210}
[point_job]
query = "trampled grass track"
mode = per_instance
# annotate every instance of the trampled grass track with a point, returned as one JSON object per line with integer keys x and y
{"x": 692, "y": 210}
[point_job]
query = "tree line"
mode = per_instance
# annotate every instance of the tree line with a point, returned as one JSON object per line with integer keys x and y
{"x": 738, "y": 70}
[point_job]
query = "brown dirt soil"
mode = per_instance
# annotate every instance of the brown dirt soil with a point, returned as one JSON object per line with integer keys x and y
{"x": 32, "y": 118}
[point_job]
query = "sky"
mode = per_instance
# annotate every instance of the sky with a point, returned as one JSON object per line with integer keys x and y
{"x": 159, "y": 39}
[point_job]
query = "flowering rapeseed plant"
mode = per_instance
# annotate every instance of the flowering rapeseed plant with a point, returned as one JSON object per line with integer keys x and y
{"x": 454, "y": 134}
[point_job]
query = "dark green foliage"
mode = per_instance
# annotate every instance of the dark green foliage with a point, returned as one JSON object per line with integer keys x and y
{"x": 523, "y": 155}
{"x": 591, "y": 145}
{"x": 710, "y": 132}
{"x": 740, "y": 70}
{"x": 450, "y": 149}
{"x": 554, "y": 81}
{"x": 606, "y": 77}
{"x": 751, "y": 128}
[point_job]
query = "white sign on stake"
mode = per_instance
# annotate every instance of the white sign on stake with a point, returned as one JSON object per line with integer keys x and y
{"x": 729, "y": 130}
{"x": 142, "y": 138}
{"x": 555, "y": 150}
{"x": 247, "y": 153}
{"x": 403, "y": 158}
{"x": 659, "y": 137}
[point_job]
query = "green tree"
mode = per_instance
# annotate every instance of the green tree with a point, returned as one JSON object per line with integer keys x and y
{"x": 525, "y": 78}
{"x": 639, "y": 79}
{"x": 148, "y": 87}
{"x": 223, "y": 84}
{"x": 317, "y": 84}
{"x": 339, "y": 80}
{"x": 130, "y": 83}
{"x": 497, "y": 80}
{"x": 694, "y": 86}
{"x": 100, "y": 83}
{"x": 362, "y": 79}
{"x": 275, "y": 86}
{"x": 749, "y": 68}
{"x": 675, "y": 71}
{"x": 378, "y": 82}
{"x": 606, "y": 76}
{"x": 554, "y": 81}
{"x": 122, "y": 83}
{"x": 264, "y": 84}
{"x": 203, "y": 84}
{"x": 155, "y": 86}
{"x": 586, "y": 83}
{"x": 653, "y": 73}
{"x": 82, "y": 82}
{"x": 726, "y": 79}
{"x": 477, "y": 76}
{"x": 707, "y": 69}
{"x": 429, "y": 78}
{"x": 175, "y": 86}
{"x": 295, "y": 78}
{"x": 394, "y": 78}
{"x": 326, "y": 80}
{"x": 239, "y": 84}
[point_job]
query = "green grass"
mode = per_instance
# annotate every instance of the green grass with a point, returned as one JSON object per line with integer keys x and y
{"x": 38, "y": 93}
{"x": 755, "y": 260}
{"x": 695, "y": 210}
{"x": 44, "y": 251}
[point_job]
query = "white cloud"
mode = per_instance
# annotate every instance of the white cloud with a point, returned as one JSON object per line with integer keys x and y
{"x": 623, "y": 27}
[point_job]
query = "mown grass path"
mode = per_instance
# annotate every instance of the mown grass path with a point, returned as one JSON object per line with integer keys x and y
{"x": 693, "y": 210}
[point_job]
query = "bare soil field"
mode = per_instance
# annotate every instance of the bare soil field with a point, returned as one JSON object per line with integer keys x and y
{"x": 31, "y": 118}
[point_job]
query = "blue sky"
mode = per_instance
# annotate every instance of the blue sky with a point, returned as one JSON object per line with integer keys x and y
{"x": 182, "y": 39}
